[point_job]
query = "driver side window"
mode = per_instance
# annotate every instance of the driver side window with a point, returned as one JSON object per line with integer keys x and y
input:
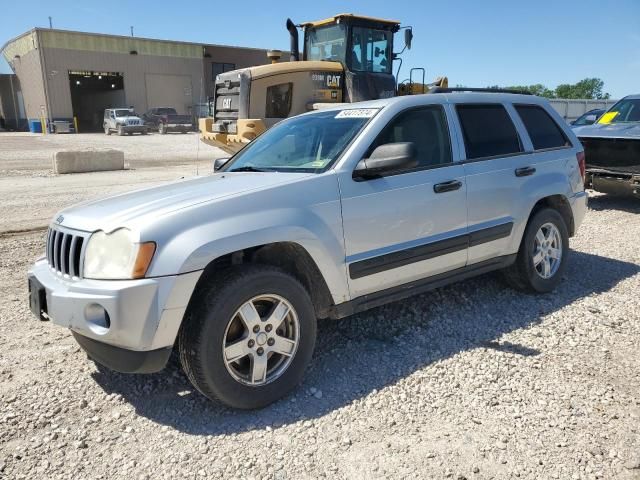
{"x": 426, "y": 128}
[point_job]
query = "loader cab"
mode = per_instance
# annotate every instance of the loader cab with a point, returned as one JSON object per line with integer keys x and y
{"x": 364, "y": 47}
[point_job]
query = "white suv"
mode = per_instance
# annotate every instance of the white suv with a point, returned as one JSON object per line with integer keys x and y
{"x": 123, "y": 121}
{"x": 326, "y": 214}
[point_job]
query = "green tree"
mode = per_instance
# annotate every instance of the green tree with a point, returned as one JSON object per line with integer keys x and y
{"x": 588, "y": 88}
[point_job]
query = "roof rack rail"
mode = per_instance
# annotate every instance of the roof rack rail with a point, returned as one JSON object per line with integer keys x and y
{"x": 465, "y": 89}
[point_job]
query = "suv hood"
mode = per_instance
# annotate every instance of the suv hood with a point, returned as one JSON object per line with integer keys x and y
{"x": 134, "y": 209}
{"x": 610, "y": 130}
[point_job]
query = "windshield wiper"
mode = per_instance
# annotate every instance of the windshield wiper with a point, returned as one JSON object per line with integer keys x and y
{"x": 247, "y": 168}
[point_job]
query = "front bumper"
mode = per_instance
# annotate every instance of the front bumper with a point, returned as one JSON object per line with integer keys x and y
{"x": 123, "y": 360}
{"x": 135, "y": 128}
{"x": 139, "y": 316}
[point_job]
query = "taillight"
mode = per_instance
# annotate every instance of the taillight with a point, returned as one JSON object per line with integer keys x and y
{"x": 581, "y": 164}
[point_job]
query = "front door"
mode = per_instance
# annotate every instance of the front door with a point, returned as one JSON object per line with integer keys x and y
{"x": 411, "y": 224}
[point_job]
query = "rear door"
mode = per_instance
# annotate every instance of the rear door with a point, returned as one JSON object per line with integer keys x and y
{"x": 402, "y": 227}
{"x": 495, "y": 156}
{"x": 514, "y": 153}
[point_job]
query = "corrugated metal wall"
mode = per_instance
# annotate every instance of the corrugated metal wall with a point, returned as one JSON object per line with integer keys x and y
{"x": 28, "y": 70}
{"x": 58, "y": 63}
{"x": 64, "y": 51}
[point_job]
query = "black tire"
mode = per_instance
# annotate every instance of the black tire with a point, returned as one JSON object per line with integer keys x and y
{"x": 522, "y": 275}
{"x": 202, "y": 335}
{"x": 107, "y": 130}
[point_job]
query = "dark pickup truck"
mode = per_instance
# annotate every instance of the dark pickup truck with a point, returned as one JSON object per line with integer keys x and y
{"x": 166, "y": 119}
{"x": 612, "y": 149}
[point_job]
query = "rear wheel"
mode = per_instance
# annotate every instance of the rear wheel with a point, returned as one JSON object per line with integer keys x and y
{"x": 248, "y": 336}
{"x": 543, "y": 253}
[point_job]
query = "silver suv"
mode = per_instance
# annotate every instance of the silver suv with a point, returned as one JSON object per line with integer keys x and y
{"x": 326, "y": 214}
{"x": 123, "y": 121}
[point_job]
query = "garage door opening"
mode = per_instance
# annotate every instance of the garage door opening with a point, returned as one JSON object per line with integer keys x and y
{"x": 91, "y": 94}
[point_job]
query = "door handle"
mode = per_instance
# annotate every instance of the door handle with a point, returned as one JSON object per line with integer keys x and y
{"x": 525, "y": 171}
{"x": 447, "y": 186}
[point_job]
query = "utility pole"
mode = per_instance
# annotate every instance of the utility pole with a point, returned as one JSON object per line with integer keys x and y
{"x": 132, "y": 30}
{"x": 50, "y": 23}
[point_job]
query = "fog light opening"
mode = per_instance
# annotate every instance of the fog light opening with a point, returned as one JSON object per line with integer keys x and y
{"x": 97, "y": 318}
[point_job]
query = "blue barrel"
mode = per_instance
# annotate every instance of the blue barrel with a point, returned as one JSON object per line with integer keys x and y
{"x": 35, "y": 126}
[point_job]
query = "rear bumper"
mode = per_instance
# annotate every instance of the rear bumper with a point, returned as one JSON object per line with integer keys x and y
{"x": 578, "y": 204}
{"x": 614, "y": 183}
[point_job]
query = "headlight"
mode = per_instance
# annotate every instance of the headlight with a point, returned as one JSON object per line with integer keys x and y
{"x": 115, "y": 256}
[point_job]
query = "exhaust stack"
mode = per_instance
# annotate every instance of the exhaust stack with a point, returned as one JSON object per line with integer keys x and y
{"x": 293, "y": 31}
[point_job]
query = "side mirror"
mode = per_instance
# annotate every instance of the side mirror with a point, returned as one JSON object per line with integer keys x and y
{"x": 218, "y": 163}
{"x": 589, "y": 119}
{"x": 408, "y": 37}
{"x": 387, "y": 158}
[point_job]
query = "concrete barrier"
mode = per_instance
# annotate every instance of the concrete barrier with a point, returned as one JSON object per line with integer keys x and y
{"x": 80, "y": 161}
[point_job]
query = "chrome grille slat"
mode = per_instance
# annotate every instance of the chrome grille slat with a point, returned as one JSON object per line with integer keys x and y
{"x": 64, "y": 250}
{"x": 56, "y": 250}
{"x": 63, "y": 257}
{"x": 72, "y": 263}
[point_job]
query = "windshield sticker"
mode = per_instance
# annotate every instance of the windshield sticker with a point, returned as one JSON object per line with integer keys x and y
{"x": 607, "y": 117}
{"x": 357, "y": 113}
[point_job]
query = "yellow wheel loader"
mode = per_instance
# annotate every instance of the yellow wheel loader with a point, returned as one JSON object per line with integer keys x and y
{"x": 346, "y": 58}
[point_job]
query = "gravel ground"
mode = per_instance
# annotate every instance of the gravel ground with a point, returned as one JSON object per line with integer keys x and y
{"x": 31, "y": 194}
{"x": 470, "y": 381}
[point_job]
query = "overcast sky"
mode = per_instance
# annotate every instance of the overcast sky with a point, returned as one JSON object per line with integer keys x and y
{"x": 474, "y": 43}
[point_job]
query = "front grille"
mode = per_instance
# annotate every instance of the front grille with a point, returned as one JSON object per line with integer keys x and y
{"x": 64, "y": 251}
{"x": 133, "y": 122}
{"x": 227, "y": 105}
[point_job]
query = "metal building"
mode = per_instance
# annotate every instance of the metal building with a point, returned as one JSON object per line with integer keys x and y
{"x": 74, "y": 76}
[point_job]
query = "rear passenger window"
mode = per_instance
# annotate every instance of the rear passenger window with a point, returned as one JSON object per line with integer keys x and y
{"x": 543, "y": 130}
{"x": 427, "y": 128}
{"x": 488, "y": 131}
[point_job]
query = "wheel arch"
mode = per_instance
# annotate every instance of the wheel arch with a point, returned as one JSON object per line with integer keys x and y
{"x": 291, "y": 257}
{"x": 559, "y": 203}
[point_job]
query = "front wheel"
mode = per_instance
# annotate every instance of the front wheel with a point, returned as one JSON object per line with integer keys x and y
{"x": 121, "y": 131}
{"x": 542, "y": 258}
{"x": 248, "y": 336}
{"x": 107, "y": 130}
{"x": 162, "y": 128}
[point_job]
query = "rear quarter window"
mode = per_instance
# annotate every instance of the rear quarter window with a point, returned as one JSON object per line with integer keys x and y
{"x": 487, "y": 130}
{"x": 543, "y": 130}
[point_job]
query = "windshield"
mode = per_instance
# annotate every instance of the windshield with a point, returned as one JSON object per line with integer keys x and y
{"x": 588, "y": 118}
{"x": 327, "y": 43}
{"x": 124, "y": 113}
{"x": 626, "y": 110}
{"x": 309, "y": 143}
